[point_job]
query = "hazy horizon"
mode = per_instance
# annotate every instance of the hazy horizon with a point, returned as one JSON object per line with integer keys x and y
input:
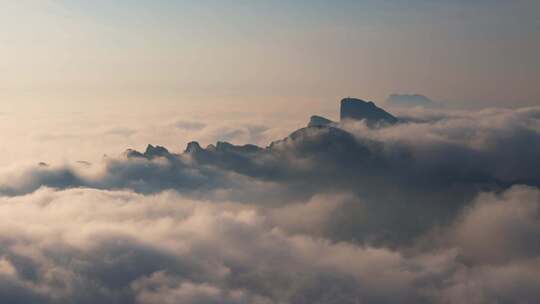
{"x": 166, "y": 151}
{"x": 459, "y": 52}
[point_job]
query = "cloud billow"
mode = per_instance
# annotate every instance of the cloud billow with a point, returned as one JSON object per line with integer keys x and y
{"x": 433, "y": 211}
{"x": 122, "y": 247}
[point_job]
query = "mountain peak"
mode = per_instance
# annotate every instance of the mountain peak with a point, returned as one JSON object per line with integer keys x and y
{"x": 156, "y": 151}
{"x": 358, "y": 109}
{"x": 409, "y": 100}
{"x": 193, "y": 147}
{"x": 319, "y": 121}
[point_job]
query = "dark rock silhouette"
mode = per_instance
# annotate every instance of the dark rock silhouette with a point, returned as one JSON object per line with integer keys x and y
{"x": 409, "y": 100}
{"x": 131, "y": 153}
{"x": 193, "y": 147}
{"x": 151, "y": 152}
{"x": 228, "y": 147}
{"x": 321, "y": 135}
{"x": 403, "y": 190}
{"x": 357, "y": 109}
{"x": 319, "y": 121}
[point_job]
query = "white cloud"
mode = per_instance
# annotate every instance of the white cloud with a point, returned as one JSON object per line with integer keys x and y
{"x": 92, "y": 245}
{"x": 326, "y": 216}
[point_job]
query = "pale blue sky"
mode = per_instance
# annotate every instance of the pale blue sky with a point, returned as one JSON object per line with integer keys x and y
{"x": 183, "y": 52}
{"x": 74, "y": 72}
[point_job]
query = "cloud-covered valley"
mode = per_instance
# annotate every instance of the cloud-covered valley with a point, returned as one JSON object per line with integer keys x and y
{"x": 89, "y": 246}
{"x": 440, "y": 207}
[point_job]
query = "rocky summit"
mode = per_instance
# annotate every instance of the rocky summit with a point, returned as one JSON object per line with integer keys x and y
{"x": 358, "y": 109}
{"x": 319, "y": 121}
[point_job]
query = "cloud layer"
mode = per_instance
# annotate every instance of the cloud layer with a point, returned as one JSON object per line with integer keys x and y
{"x": 89, "y": 246}
{"x": 442, "y": 209}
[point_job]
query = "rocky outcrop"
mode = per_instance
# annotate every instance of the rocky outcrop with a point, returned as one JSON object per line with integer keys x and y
{"x": 409, "y": 100}
{"x": 151, "y": 152}
{"x": 319, "y": 121}
{"x": 193, "y": 147}
{"x": 156, "y": 151}
{"x": 357, "y": 109}
{"x": 321, "y": 134}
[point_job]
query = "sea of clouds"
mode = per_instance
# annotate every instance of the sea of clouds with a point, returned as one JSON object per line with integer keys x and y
{"x": 443, "y": 208}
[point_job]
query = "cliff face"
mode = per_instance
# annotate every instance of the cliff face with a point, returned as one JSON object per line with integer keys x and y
{"x": 357, "y": 109}
{"x": 319, "y": 121}
{"x": 321, "y": 134}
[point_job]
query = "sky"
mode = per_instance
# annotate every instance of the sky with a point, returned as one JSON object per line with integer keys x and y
{"x": 105, "y": 197}
{"x": 73, "y": 71}
{"x": 83, "y": 55}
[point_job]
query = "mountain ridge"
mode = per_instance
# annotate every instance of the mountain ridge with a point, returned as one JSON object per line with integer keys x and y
{"x": 351, "y": 109}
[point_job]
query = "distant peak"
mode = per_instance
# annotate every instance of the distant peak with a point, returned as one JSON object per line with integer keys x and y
{"x": 131, "y": 153}
{"x": 358, "y": 109}
{"x": 352, "y": 99}
{"x": 193, "y": 147}
{"x": 410, "y": 100}
{"x": 152, "y": 151}
{"x": 319, "y": 121}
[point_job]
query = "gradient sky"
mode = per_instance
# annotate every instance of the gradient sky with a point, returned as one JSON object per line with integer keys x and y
{"x": 442, "y": 206}
{"x": 75, "y": 53}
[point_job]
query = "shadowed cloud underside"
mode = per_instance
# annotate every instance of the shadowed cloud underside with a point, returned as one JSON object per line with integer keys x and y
{"x": 429, "y": 207}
